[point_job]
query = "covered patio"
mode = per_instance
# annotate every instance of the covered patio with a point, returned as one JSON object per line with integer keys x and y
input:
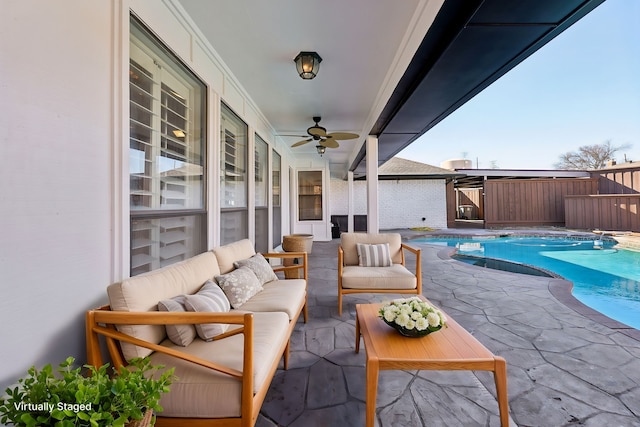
{"x": 89, "y": 198}
{"x": 565, "y": 366}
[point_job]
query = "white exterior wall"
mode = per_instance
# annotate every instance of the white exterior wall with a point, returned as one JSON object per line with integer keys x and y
{"x": 55, "y": 197}
{"x": 402, "y": 204}
{"x": 64, "y": 150}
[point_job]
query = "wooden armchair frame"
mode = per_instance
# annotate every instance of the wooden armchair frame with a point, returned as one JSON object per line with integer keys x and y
{"x": 418, "y": 273}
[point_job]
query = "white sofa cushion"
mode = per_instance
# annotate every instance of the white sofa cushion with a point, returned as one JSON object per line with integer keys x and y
{"x": 279, "y": 295}
{"x": 202, "y": 393}
{"x": 228, "y": 254}
{"x": 142, "y": 293}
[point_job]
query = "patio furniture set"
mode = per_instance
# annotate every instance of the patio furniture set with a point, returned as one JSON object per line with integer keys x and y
{"x": 224, "y": 320}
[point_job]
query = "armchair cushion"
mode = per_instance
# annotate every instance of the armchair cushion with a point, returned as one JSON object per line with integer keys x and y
{"x": 350, "y": 240}
{"x": 239, "y": 285}
{"x": 373, "y": 255}
{"x": 395, "y": 277}
{"x": 260, "y": 267}
{"x": 210, "y": 298}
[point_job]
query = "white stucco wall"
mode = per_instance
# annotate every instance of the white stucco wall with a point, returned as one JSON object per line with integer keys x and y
{"x": 402, "y": 204}
{"x": 64, "y": 150}
{"x": 56, "y": 174}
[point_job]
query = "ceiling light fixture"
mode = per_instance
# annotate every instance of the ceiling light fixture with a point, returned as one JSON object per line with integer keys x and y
{"x": 321, "y": 149}
{"x": 307, "y": 64}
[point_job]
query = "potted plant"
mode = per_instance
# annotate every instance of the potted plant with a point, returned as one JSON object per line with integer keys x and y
{"x": 87, "y": 396}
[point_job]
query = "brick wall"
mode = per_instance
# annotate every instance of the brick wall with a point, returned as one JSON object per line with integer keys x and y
{"x": 402, "y": 204}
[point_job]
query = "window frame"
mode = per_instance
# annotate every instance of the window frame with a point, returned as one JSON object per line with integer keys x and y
{"x": 174, "y": 164}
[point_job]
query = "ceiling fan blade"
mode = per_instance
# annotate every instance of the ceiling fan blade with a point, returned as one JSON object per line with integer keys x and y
{"x": 317, "y": 131}
{"x": 297, "y": 136}
{"x": 343, "y": 135}
{"x": 329, "y": 143}
{"x": 299, "y": 143}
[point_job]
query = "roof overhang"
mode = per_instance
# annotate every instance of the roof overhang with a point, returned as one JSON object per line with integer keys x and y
{"x": 474, "y": 178}
{"x": 470, "y": 45}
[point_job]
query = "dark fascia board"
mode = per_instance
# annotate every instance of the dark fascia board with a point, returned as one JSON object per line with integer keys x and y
{"x": 527, "y": 26}
{"x": 447, "y": 177}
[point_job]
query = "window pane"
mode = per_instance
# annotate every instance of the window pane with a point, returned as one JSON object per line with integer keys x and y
{"x": 166, "y": 143}
{"x": 262, "y": 230}
{"x": 261, "y": 172}
{"x": 163, "y": 241}
{"x": 310, "y": 195}
{"x": 234, "y": 160}
{"x": 233, "y": 225}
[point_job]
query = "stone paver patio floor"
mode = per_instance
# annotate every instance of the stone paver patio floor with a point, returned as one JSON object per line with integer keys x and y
{"x": 564, "y": 369}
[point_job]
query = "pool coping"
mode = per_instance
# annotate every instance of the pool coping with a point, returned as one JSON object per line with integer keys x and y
{"x": 558, "y": 286}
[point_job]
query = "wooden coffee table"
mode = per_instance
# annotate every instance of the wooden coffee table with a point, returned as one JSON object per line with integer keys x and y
{"x": 451, "y": 348}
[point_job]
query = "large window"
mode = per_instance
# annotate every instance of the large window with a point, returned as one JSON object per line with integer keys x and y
{"x": 276, "y": 189}
{"x": 262, "y": 194}
{"x": 310, "y": 195}
{"x": 166, "y": 156}
{"x": 233, "y": 177}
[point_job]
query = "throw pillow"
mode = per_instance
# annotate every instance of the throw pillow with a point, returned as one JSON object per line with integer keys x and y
{"x": 239, "y": 285}
{"x": 181, "y": 335}
{"x": 209, "y": 299}
{"x": 374, "y": 255}
{"x": 260, "y": 267}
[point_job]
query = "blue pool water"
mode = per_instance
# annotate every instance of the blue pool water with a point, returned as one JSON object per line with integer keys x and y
{"x": 604, "y": 278}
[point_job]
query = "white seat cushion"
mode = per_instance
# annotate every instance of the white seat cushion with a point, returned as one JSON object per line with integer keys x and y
{"x": 279, "y": 295}
{"x": 394, "y": 277}
{"x": 202, "y": 393}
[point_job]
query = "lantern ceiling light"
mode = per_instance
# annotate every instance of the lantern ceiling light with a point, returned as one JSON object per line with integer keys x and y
{"x": 307, "y": 64}
{"x": 321, "y": 149}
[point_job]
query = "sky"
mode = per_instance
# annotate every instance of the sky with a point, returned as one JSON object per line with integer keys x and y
{"x": 582, "y": 88}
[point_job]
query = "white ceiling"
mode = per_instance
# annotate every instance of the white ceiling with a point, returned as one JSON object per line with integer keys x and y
{"x": 365, "y": 46}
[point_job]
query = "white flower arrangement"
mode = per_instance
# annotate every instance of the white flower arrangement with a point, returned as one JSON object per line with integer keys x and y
{"x": 412, "y": 316}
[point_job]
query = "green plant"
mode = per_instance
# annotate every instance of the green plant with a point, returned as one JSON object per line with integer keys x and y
{"x": 85, "y": 396}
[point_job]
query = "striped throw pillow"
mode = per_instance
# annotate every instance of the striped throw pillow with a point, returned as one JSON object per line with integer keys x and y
{"x": 209, "y": 299}
{"x": 374, "y": 255}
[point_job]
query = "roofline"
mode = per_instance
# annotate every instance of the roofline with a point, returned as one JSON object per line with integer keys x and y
{"x": 527, "y": 173}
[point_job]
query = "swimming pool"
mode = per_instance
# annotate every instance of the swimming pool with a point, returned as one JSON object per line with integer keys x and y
{"x": 605, "y": 278}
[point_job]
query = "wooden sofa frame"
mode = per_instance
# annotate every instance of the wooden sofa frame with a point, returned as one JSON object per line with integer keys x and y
{"x": 102, "y": 322}
{"x": 345, "y": 291}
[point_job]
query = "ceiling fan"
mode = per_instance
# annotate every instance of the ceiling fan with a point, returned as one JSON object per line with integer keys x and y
{"x": 319, "y": 134}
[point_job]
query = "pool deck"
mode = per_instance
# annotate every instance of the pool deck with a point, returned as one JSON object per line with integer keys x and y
{"x": 566, "y": 364}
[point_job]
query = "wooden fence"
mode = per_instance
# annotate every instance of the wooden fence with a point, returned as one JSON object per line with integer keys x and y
{"x": 472, "y": 197}
{"x": 530, "y": 202}
{"x": 615, "y": 212}
{"x": 618, "y": 181}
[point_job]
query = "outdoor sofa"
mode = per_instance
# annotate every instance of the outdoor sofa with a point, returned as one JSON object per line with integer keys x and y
{"x": 224, "y": 357}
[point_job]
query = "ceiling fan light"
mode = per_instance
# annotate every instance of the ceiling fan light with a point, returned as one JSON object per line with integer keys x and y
{"x": 321, "y": 149}
{"x": 307, "y": 64}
